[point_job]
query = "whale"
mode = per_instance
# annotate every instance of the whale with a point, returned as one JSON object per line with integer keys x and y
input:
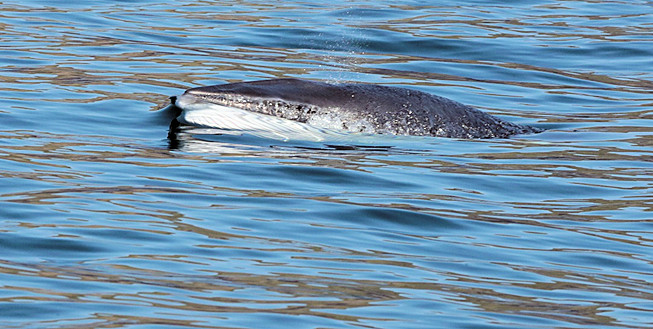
{"x": 306, "y": 109}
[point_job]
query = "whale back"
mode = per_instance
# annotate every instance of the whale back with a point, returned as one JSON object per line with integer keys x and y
{"x": 360, "y": 108}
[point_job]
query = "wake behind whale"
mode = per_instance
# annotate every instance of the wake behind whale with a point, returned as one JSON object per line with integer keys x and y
{"x": 302, "y": 109}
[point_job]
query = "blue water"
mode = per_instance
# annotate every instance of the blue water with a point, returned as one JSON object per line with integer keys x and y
{"x": 105, "y": 221}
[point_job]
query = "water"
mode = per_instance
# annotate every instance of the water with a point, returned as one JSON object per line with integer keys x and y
{"x": 107, "y": 222}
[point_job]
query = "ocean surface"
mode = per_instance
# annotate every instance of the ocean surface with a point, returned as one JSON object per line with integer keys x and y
{"x": 107, "y": 221}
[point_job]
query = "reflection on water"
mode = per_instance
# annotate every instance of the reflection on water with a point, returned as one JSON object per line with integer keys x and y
{"x": 105, "y": 221}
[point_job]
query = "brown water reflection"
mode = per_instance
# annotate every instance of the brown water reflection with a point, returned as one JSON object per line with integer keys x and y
{"x": 320, "y": 296}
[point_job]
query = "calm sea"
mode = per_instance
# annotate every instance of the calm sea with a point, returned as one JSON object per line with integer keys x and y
{"x": 107, "y": 222}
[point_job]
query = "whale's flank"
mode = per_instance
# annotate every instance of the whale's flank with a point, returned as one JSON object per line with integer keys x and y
{"x": 362, "y": 108}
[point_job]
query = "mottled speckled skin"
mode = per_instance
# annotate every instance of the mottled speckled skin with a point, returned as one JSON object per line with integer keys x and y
{"x": 361, "y": 108}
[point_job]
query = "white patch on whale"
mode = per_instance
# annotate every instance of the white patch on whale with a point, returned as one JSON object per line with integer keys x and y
{"x": 196, "y": 112}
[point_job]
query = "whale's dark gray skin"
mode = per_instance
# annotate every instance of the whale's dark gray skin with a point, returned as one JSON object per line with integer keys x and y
{"x": 365, "y": 108}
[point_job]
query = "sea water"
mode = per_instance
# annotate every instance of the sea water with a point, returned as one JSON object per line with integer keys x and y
{"x": 107, "y": 220}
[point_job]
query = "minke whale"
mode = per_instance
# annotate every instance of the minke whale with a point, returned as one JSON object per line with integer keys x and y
{"x": 295, "y": 108}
